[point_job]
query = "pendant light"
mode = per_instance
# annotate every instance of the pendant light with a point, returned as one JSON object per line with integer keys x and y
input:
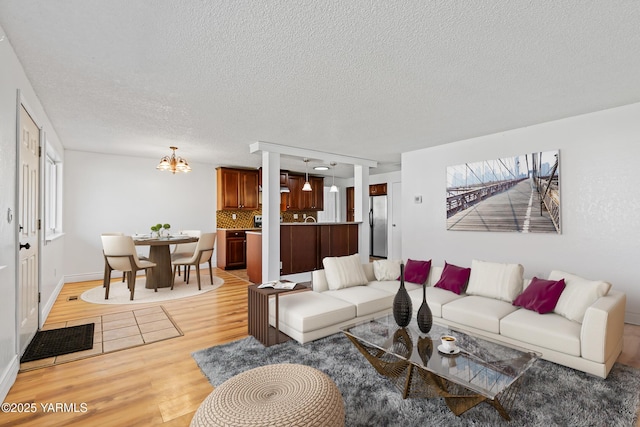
{"x": 333, "y": 188}
{"x": 173, "y": 164}
{"x": 307, "y": 185}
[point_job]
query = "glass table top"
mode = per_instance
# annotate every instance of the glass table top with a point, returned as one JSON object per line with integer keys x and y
{"x": 483, "y": 366}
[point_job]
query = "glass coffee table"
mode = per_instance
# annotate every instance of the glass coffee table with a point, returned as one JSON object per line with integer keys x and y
{"x": 482, "y": 371}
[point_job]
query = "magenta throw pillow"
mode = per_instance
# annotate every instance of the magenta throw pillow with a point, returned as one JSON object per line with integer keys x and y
{"x": 416, "y": 271}
{"x": 454, "y": 278}
{"x": 541, "y": 295}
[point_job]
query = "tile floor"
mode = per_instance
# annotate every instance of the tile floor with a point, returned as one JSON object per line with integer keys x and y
{"x": 115, "y": 332}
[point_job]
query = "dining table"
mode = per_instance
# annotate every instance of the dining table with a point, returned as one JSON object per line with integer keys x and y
{"x": 160, "y": 254}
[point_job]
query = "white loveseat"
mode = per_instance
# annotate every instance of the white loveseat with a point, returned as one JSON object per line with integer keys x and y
{"x": 589, "y": 343}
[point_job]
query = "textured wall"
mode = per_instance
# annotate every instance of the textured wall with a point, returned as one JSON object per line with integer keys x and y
{"x": 357, "y": 77}
{"x": 599, "y": 155}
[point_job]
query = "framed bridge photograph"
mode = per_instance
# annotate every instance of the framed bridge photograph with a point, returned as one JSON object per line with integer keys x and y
{"x": 519, "y": 193}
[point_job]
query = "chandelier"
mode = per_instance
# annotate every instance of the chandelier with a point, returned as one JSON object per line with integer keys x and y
{"x": 173, "y": 164}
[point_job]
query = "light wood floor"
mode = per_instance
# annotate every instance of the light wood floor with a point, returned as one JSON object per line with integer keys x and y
{"x": 159, "y": 383}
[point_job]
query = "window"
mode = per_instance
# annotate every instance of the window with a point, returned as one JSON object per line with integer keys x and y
{"x": 52, "y": 184}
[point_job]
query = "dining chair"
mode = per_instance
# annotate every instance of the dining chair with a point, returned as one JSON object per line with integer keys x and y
{"x": 120, "y": 254}
{"x": 202, "y": 254}
{"x": 106, "y": 264}
{"x": 183, "y": 250}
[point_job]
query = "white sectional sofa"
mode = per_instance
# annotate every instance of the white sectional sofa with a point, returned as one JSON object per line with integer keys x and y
{"x": 587, "y": 338}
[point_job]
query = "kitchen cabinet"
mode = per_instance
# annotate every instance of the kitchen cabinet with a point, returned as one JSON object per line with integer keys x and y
{"x": 294, "y": 196}
{"x": 284, "y": 176}
{"x": 284, "y": 179}
{"x": 231, "y": 249}
{"x": 314, "y": 200}
{"x": 298, "y": 248}
{"x": 337, "y": 240}
{"x": 304, "y": 246}
{"x": 298, "y": 200}
{"x": 351, "y": 204}
{"x": 378, "y": 189}
{"x": 237, "y": 189}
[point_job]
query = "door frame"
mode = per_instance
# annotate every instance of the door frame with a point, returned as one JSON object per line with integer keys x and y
{"x": 395, "y": 221}
{"x": 21, "y": 102}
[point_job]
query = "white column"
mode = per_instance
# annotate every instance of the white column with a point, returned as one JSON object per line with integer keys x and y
{"x": 361, "y": 196}
{"x": 270, "y": 216}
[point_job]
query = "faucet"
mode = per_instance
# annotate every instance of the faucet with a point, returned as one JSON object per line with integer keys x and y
{"x": 309, "y": 217}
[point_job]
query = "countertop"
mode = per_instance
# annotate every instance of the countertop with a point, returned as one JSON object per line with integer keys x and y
{"x": 289, "y": 223}
{"x": 319, "y": 223}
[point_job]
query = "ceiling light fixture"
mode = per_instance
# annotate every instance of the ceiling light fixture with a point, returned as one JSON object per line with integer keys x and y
{"x": 334, "y": 188}
{"x": 306, "y": 186}
{"x": 321, "y": 168}
{"x": 173, "y": 164}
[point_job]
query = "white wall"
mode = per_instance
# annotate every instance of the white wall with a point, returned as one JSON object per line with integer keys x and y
{"x": 108, "y": 193}
{"x": 600, "y": 201}
{"x": 12, "y": 79}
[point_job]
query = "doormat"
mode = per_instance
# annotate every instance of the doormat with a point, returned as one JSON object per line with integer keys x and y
{"x": 56, "y": 342}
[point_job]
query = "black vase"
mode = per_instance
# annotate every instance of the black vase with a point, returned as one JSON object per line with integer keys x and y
{"x": 402, "y": 308}
{"x": 425, "y": 318}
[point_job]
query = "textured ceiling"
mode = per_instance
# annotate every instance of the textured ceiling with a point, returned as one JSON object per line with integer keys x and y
{"x": 365, "y": 78}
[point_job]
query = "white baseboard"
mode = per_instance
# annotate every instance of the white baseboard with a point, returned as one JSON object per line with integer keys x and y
{"x": 84, "y": 277}
{"x": 46, "y": 309}
{"x": 9, "y": 376}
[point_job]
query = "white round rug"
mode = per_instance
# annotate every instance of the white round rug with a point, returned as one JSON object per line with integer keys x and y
{"x": 119, "y": 293}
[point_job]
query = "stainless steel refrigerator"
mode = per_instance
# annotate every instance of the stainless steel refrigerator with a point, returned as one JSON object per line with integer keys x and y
{"x": 378, "y": 224}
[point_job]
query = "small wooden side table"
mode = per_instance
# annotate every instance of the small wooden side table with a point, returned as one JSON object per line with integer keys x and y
{"x": 258, "y": 301}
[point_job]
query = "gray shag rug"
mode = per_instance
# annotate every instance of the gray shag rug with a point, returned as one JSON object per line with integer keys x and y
{"x": 551, "y": 395}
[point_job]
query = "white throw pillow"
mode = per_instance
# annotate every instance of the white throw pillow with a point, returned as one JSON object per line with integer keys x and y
{"x": 495, "y": 280}
{"x": 343, "y": 272}
{"x": 578, "y": 294}
{"x": 386, "y": 269}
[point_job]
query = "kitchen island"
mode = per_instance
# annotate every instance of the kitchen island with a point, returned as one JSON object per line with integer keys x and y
{"x": 303, "y": 246}
{"x": 254, "y": 256}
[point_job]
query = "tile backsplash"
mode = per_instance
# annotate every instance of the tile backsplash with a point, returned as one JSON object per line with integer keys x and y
{"x": 244, "y": 219}
{"x": 287, "y": 216}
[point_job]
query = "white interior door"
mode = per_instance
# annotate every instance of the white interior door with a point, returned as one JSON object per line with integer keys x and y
{"x": 29, "y": 184}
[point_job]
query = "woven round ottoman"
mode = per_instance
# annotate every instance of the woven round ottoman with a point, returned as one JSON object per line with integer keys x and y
{"x": 273, "y": 395}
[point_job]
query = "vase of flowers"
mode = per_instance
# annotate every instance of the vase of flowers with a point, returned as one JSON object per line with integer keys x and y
{"x": 160, "y": 229}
